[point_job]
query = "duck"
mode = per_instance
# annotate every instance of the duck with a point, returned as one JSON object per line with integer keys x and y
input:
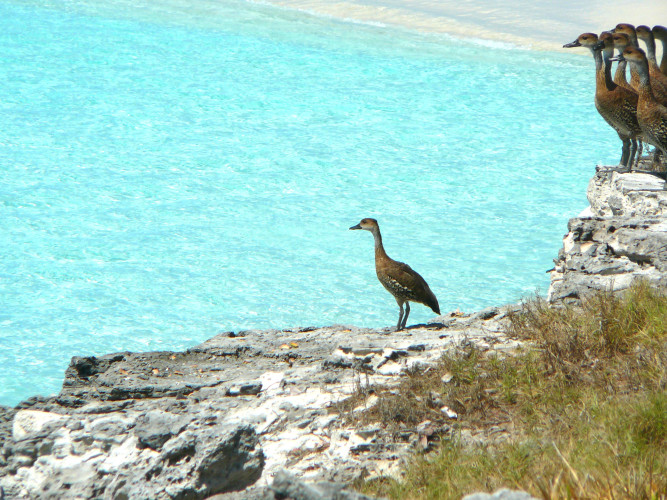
{"x": 404, "y": 283}
{"x": 651, "y": 114}
{"x": 590, "y": 41}
{"x": 660, "y": 33}
{"x": 619, "y": 104}
{"x": 659, "y": 88}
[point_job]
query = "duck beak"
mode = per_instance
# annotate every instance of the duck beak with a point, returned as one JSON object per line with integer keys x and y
{"x": 617, "y": 58}
{"x": 572, "y": 44}
{"x": 599, "y": 45}
{"x": 358, "y": 226}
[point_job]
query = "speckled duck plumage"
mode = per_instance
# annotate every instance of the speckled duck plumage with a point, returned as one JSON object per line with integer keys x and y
{"x": 651, "y": 114}
{"x": 403, "y": 282}
{"x": 617, "y": 103}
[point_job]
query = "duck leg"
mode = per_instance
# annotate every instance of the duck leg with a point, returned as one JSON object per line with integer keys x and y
{"x": 625, "y": 151}
{"x": 633, "y": 150}
{"x": 640, "y": 150}
{"x": 407, "y": 313}
{"x": 400, "y": 315}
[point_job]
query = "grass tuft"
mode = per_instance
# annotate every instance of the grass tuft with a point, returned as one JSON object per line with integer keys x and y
{"x": 582, "y": 413}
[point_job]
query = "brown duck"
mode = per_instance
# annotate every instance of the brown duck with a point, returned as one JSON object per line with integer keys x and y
{"x": 404, "y": 283}
{"x": 651, "y": 114}
{"x": 617, "y": 103}
{"x": 606, "y": 109}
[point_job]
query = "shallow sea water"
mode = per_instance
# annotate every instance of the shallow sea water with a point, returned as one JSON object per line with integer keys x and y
{"x": 168, "y": 176}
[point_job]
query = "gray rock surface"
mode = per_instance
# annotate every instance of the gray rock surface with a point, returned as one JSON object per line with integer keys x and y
{"x": 503, "y": 494}
{"x": 227, "y": 415}
{"x": 286, "y": 485}
{"x": 620, "y": 238}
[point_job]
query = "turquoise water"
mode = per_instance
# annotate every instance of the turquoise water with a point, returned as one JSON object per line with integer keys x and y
{"x": 168, "y": 176}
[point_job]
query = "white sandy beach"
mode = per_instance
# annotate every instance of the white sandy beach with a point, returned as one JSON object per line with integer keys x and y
{"x": 540, "y": 24}
{"x": 535, "y": 24}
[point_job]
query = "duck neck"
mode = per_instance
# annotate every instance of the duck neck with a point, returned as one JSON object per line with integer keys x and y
{"x": 608, "y": 80}
{"x": 644, "y": 90}
{"x": 663, "y": 60}
{"x": 380, "y": 254}
{"x": 650, "y": 48}
{"x": 599, "y": 70}
{"x": 619, "y": 76}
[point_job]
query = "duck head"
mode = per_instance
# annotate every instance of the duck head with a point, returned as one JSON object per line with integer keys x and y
{"x": 587, "y": 40}
{"x": 367, "y": 224}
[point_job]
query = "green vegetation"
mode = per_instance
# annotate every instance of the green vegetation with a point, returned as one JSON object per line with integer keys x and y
{"x": 581, "y": 413}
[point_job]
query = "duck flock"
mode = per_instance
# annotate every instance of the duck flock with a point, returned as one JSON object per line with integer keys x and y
{"x": 636, "y": 110}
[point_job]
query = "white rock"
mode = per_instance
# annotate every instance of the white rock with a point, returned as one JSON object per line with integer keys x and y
{"x": 28, "y": 422}
{"x": 628, "y": 194}
{"x": 62, "y": 444}
{"x": 390, "y": 368}
{"x": 126, "y": 453}
{"x": 450, "y": 413}
{"x": 638, "y": 182}
{"x": 568, "y": 242}
{"x": 272, "y": 383}
{"x": 658, "y": 228}
{"x": 415, "y": 364}
{"x": 586, "y": 212}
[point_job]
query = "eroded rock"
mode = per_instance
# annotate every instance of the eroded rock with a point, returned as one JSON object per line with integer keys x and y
{"x": 622, "y": 237}
{"x": 226, "y": 415}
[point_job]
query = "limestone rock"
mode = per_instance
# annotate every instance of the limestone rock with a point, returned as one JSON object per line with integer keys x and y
{"x": 225, "y": 416}
{"x": 612, "y": 193}
{"x": 27, "y": 422}
{"x": 287, "y": 486}
{"x": 503, "y": 494}
{"x": 621, "y": 238}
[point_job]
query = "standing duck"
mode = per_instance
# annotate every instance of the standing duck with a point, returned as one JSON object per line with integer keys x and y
{"x": 405, "y": 284}
{"x": 618, "y": 103}
{"x": 606, "y": 110}
{"x": 651, "y": 114}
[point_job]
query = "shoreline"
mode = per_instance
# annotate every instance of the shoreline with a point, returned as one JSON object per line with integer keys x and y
{"x": 525, "y": 25}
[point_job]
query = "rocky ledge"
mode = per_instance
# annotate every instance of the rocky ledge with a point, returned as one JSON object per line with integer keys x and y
{"x": 621, "y": 237}
{"x": 226, "y": 415}
{"x": 227, "y": 418}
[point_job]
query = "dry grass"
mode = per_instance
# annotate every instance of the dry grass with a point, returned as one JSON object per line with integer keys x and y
{"x": 584, "y": 409}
